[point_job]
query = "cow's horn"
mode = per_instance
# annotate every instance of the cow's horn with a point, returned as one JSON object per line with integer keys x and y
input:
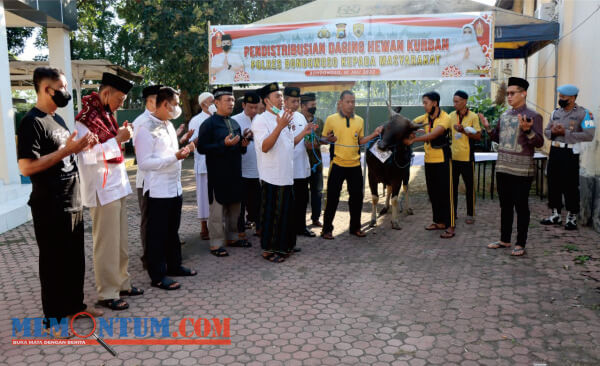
{"x": 390, "y": 109}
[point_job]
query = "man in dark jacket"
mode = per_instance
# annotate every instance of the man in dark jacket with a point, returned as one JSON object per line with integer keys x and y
{"x": 220, "y": 139}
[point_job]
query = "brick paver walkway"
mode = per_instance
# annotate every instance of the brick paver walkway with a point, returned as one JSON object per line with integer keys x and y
{"x": 394, "y": 298}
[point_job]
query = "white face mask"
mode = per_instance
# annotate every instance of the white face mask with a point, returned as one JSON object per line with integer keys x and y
{"x": 175, "y": 112}
{"x": 212, "y": 109}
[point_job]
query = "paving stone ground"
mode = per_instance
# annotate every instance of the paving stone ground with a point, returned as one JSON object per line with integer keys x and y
{"x": 393, "y": 298}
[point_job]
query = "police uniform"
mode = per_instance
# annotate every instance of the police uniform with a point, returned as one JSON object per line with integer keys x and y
{"x": 563, "y": 162}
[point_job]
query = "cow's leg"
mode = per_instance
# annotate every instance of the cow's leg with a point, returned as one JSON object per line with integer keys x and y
{"x": 409, "y": 210}
{"x": 388, "y": 194}
{"x": 395, "y": 215}
{"x": 374, "y": 198}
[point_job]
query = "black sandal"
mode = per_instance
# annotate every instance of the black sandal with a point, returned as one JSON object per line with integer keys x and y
{"x": 114, "y": 304}
{"x": 275, "y": 258}
{"x": 219, "y": 252}
{"x": 133, "y": 292}
{"x": 242, "y": 243}
{"x": 167, "y": 284}
{"x": 183, "y": 272}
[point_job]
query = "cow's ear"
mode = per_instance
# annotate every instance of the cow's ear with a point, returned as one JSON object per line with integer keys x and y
{"x": 398, "y": 109}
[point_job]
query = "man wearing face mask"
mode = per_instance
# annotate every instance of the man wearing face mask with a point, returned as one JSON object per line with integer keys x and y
{"x": 46, "y": 153}
{"x": 226, "y": 64}
{"x": 308, "y": 108}
{"x": 569, "y": 125}
{"x": 220, "y": 139}
{"x": 291, "y": 101}
{"x": 159, "y": 155}
{"x": 250, "y": 182}
{"x": 105, "y": 186}
{"x": 206, "y": 102}
{"x": 149, "y": 95}
{"x": 274, "y": 144}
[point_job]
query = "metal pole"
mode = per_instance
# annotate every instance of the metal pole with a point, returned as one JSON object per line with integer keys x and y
{"x": 367, "y": 131}
{"x": 555, "y": 72}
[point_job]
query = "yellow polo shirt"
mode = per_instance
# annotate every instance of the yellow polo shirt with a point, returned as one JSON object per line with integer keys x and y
{"x": 461, "y": 146}
{"x": 434, "y": 155}
{"x": 348, "y": 133}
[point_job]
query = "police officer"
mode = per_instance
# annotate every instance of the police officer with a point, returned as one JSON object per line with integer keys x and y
{"x": 569, "y": 125}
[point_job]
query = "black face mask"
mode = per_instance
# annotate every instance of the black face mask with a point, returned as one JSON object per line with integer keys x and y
{"x": 312, "y": 110}
{"x": 61, "y": 98}
{"x": 563, "y": 103}
{"x": 226, "y": 48}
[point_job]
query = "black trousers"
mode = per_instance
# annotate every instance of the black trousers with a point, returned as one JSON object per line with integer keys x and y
{"x": 59, "y": 237}
{"x": 337, "y": 176}
{"x": 316, "y": 193}
{"x": 464, "y": 169}
{"x": 563, "y": 179}
{"x": 513, "y": 192}
{"x": 143, "y": 204}
{"x": 300, "y": 203}
{"x": 438, "y": 177}
{"x": 250, "y": 202}
{"x": 163, "y": 249}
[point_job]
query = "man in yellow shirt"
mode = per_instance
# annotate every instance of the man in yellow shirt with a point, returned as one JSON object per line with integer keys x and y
{"x": 348, "y": 128}
{"x": 463, "y": 154}
{"x": 438, "y": 163}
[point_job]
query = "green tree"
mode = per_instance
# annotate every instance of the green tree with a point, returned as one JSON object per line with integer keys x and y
{"x": 16, "y": 38}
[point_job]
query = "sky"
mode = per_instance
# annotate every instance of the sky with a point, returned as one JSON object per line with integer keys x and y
{"x": 30, "y": 51}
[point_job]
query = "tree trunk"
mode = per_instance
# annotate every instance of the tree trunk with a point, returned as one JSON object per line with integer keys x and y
{"x": 187, "y": 106}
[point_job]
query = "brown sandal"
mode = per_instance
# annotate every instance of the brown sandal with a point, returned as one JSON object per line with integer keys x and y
{"x": 435, "y": 226}
{"x": 447, "y": 234}
{"x": 327, "y": 236}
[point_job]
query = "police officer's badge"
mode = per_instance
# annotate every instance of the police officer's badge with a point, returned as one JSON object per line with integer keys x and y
{"x": 358, "y": 29}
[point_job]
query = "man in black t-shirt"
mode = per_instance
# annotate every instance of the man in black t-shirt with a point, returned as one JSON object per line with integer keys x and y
{"x": 46, "y": 153}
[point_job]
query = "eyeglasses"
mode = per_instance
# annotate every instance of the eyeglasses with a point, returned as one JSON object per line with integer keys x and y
{"x": 511, "y": 93}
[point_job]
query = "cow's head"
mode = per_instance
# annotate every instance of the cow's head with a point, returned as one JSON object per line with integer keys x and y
{"x": 396, "y": 130}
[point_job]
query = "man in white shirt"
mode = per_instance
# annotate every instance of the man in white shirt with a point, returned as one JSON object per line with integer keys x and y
{"x": 274, "y": 143}
{"x": 104, "y": 188}
{"x": 158, "y": 154}
{"x": 149, "y": 95}
{"x": 206, "y": 102}
{"x": 250, "y": 182}
{"x": 226, "y": 64}
{"x": 291, "y": 101}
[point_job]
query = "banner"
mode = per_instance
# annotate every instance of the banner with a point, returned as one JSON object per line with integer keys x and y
{"x": 441, "y": 46}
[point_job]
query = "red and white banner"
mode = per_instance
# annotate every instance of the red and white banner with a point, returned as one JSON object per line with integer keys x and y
{"x": 441, "y": 46}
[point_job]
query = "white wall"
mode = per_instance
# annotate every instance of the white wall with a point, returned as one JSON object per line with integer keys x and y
{"x": 578, "y": 64}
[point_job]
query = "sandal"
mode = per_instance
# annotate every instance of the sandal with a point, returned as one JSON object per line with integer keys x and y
{"x": 498, "y": 245}
{"x": 469, "y": 221}
{"x": 114, "y": 304}
{"x": 219, "y": 252}
{"x": 133, "y": 292}
{"x": 359, "y": 233}
{"x": 167, "y": 284}
{"x": 518, "y": 251}
{"x": 327, "y": 236}
{"x": 183, "y": 272}
{"x": 275, "y": 258}
{"x": 447, "y": 234}
{"x": 242, "y": 243}
{"x": 435, "y": 226}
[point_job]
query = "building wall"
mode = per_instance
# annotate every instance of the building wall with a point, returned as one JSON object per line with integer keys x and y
{"x": 578, "y": 55}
